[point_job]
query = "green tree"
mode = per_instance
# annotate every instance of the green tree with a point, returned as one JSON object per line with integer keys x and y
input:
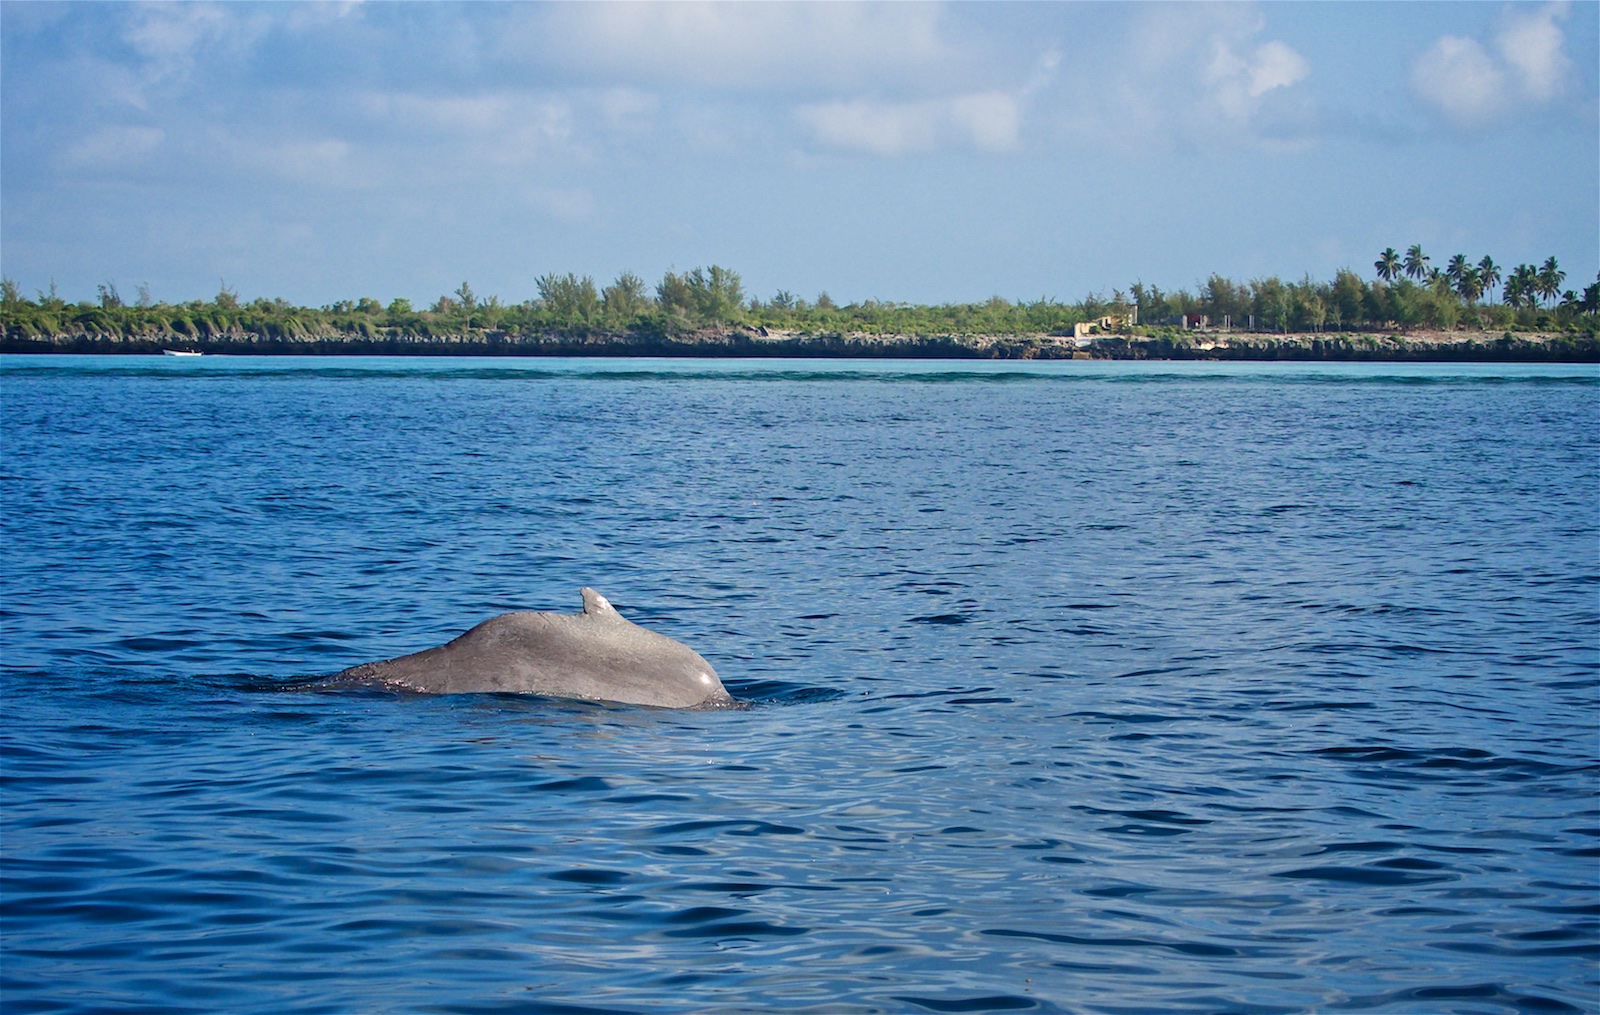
{"x": 1488, "y": 274}
{"x": 49, "y": 299}
{"x": 568, "y": 299}
{"x": 1270, "y": 302}
{"x": 1388, "y": 265}
{"x": 1152, "y": 303}
{"x": 1403, "y": 303}
{"x": 1550, "y": 278}
{"x": 1416, "y": 263}
{"x": 1313, "y": 306}
{"x": 716, "y": 293}
{"x": 1348, "y": 298}
{"x": 673, "y": 295}
{"x": 1442, "y": 309}
{"x": 489, "y": 313}
{"x": 1456, "y": 271}
{"x": 1522, "y": 286}
{"x": 1220, "y": 298}
{"x": 624, "y": 300}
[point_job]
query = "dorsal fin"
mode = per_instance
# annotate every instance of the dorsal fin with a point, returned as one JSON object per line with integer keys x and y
{"x": 596, "y": 605}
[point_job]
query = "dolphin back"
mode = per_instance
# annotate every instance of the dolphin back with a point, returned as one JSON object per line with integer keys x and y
{"x": 598, "y": 655}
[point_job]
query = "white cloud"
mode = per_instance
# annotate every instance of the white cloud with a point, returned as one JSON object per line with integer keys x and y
{"x": 1459, "y": 77}
{"x": 168, "y": 34}
{"x": 315, "y": 15}
{"x": 174, "y": 43}
{"x": 1275, "y": 65}
{"x": 564, "y": 204}
{"x": 987, "y": 121}
{"x": 1524, "y": 65}
{"x": 474, "y": 114}
{"x": 885, "y": 79}
{"x": 1193, "y": 75}
{"x": 171, "y": 38}
{"x": 467, "y": 132}
{"x": 1534, "y": 48}
{"x": 763, "y": 46}
{"x": 1236, "y": 84}
{"x": 305, "y": 160}
{"x": 626, "y": 108}
{"x": 875, "y": 127}
{"x": 112, "y": 147}
{"x": 312, "y": 160}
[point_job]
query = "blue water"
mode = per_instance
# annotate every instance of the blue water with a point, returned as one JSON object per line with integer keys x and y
{"x": 1079, "y": 687}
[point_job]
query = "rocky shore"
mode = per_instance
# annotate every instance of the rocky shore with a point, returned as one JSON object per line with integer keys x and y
{"x": 738, "y": 341}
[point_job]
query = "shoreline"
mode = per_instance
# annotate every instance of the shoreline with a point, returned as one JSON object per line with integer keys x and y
{"x": 740, "y": 342}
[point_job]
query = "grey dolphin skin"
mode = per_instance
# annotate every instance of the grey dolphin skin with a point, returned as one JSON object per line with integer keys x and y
{"x": 597, "y": 655}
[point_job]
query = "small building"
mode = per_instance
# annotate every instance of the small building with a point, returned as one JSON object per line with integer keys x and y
{"x": 1082, "y": 331}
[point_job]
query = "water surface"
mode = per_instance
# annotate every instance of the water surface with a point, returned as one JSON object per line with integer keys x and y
{"x": 1080, "y": 687}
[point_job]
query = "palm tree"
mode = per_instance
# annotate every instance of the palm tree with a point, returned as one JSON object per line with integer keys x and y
{"x": 1456, "y": 269}
{"x": 1388, "y": 264}
{"x": 1550, "y": 278}
{"x": 1416, "y": 264}
{"x": 1522, "y": 286}
{"x": 1470, "y": 285}
{"x": 1489, "y": 272}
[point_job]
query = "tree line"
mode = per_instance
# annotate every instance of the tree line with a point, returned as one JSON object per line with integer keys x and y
{"x": 1406, "y": 293}
{"x": 1526, "y": 286}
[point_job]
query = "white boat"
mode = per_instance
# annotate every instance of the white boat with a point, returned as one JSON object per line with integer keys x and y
{"x": 179, "y": 352}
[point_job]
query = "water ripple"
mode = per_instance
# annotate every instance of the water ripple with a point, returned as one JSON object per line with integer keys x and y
{"x": 1140, "y": 688}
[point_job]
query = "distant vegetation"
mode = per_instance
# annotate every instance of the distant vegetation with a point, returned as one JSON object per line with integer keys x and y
{"x": 1407, "y": 293}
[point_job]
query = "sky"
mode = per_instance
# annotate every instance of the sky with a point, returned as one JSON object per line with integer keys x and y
{"x": 925, "y": 153}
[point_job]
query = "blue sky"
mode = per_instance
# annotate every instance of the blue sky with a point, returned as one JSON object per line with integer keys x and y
{"x": 915, "y": 152}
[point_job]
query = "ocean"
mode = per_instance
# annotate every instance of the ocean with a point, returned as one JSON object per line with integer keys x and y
{"x": 1075, "y": 687}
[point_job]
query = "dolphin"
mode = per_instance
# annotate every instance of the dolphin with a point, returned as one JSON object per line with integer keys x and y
{"x": 597, "y": 655}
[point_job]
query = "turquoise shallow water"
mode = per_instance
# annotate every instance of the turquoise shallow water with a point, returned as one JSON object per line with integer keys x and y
{"x": 1078, "y": 687}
